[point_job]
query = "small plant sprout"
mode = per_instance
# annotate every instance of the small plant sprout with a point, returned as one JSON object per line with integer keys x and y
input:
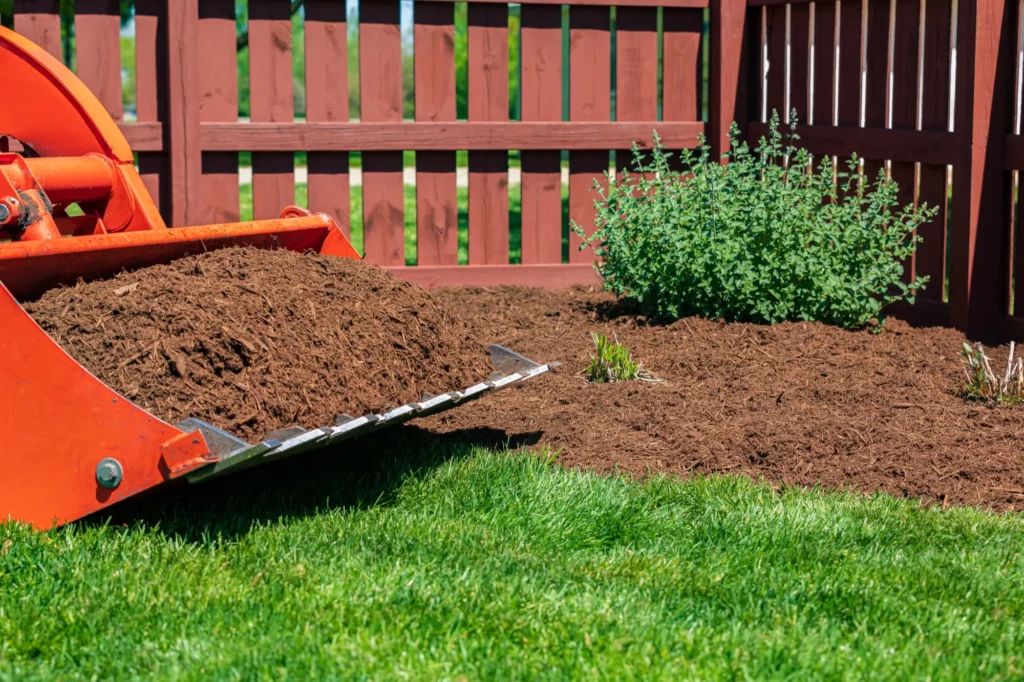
{"x": 613, "y": 362}
{"x": 982, "y": 383}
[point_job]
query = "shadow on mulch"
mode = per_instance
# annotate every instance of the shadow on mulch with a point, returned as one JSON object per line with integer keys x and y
{"x": 353, "y": 475}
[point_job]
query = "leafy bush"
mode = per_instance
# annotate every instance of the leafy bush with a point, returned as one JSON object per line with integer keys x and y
{"x": 764, "y": 238}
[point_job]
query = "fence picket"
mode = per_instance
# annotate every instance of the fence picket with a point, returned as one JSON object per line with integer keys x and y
{"x": 270, "y": 87}
{"x": 39, "y": 21}
{"x": 488, "y": 101}
{"x": 437, "y": 211}
{"x": 188, "y": 134}
{"x": 380, "y": 86}
{"x": 219, "y": 197}
{"x": 931, "y": 254}
{"x": 541, "y": 49}
{"x": 589, "y": 100}
{"x": 327, "y": 101}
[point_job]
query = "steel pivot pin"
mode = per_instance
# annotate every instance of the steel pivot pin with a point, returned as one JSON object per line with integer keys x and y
{"x": 109, "y": 473}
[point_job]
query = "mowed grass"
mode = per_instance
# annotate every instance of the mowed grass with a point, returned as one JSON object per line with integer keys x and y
{"x": 438, "y": 561}
{"x": 462, "y": 198}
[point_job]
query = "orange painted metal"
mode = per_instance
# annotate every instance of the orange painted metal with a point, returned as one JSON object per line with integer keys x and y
{"x": 58, "y": 421}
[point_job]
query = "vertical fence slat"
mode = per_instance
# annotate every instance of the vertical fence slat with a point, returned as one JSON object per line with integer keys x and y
{"x": 181, "y": 115}
{"x": 904, "y": 101}
{"x": 1017, "y": 225}
{"x": 589, "y": 100}
{"x": 682, "y": 40}
{"x": 849, "y": 63}
{"x": 541, "y": 46}
{"x": 488, "y": 101}
{"x": 800, "y": 60}
{"x": 931, "y": 253}
{"x": 636, "y": 65}
{"x": 150, "y": 37}
{"x": 979, "y": 224}
{"x": 776, "y": 27}
{"x": 218, "y": 80}
{"x": 824, "y": 62}
{"x": 270, "y": 88}
{"x": 636, "y": 62}
{"x": 326, "y": 42}
{"x": 39, "y": 21}
{"x": 733, "y": 31}
{"x": 98, "y": 51}
{"x": 380, "y": 101}
{"x": 437, "y": 213}
{"x": 876, "y": 69}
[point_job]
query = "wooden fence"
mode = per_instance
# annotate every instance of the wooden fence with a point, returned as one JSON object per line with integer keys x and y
{"x": 875, "y": 77}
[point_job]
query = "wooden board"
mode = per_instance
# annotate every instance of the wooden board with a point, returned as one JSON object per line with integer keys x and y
{"x": 636, "y": 65}
{"x": 734, "y": 86}
{"x": 39, "y": 21}
{"x": 98, "y": 51}
{"x": 775, "y": 24}
{"x": 494, "y": 135}
{"x": 153, "y": 167}
{"x": 552, "y": 276}
{"x": 541, "y": 41}
{"x": 437, "y": 211}
{"x": 849, "y": 64}
{"x": 327, "y": 101}
{"x": 682, "y": 64}
{"x": 270, "y": 87}
{"x": 488, "y": 101}
{"x": 904, "y": 102}
{"x": 900, "y": 145}
{"x": 876, "y": 91}
{"x": 589, "y": 100}
{"x": 935, "y": 90}
{"x": 800, "y": 61}
{"x": 218, "y": 83}
{"x": 979, "y": 261}
{"x": 380, "y": 84}
{"x": 824, "y": 62}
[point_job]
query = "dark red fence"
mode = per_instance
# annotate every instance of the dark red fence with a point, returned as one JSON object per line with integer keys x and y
{"x": 873, "y": 77}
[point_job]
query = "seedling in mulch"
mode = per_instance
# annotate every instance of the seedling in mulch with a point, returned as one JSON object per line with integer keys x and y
{"x": 614, "y": 362}
{"x": 983, "y": 385}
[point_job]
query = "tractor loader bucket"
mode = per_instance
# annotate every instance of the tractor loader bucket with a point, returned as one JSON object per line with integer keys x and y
{"x": 69, "y": 444}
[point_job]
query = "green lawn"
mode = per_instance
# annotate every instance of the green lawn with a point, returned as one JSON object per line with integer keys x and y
{"x": 356, "y": 207}
{"x": 434, "y": 561}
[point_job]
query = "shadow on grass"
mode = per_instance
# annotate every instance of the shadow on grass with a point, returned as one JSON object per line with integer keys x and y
{"x": 354, "y": 475}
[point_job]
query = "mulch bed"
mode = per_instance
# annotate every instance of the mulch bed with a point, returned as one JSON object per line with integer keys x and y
{"x": 253, "y": 341}
{"x": 796, "y": 403}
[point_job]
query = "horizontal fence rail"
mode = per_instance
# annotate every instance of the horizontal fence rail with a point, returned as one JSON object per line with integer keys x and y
{"x": 458, "y": 149}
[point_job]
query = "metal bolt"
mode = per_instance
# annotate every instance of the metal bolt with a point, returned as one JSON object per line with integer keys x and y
{"x": 5, "y": 213}
{"x": 109, "y": 473}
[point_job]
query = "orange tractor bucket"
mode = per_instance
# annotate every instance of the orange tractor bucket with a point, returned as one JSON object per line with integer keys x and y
{"x": 70, "y": 445}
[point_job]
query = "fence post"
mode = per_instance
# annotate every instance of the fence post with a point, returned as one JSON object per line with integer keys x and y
{"x": 984, "y": 81}
{"x": 728, "y": 72}
{"x": 181, "y": 120}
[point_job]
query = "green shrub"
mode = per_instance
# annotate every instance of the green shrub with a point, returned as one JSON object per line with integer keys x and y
{"x": 763, "y": 239}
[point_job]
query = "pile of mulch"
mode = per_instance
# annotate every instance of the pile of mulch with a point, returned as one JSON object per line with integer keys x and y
{"x": 253, "y": 341}
{"x": 799, "y": 403}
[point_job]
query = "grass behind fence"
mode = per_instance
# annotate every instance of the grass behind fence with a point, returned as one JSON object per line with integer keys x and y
{"x": 445, "y": 561}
